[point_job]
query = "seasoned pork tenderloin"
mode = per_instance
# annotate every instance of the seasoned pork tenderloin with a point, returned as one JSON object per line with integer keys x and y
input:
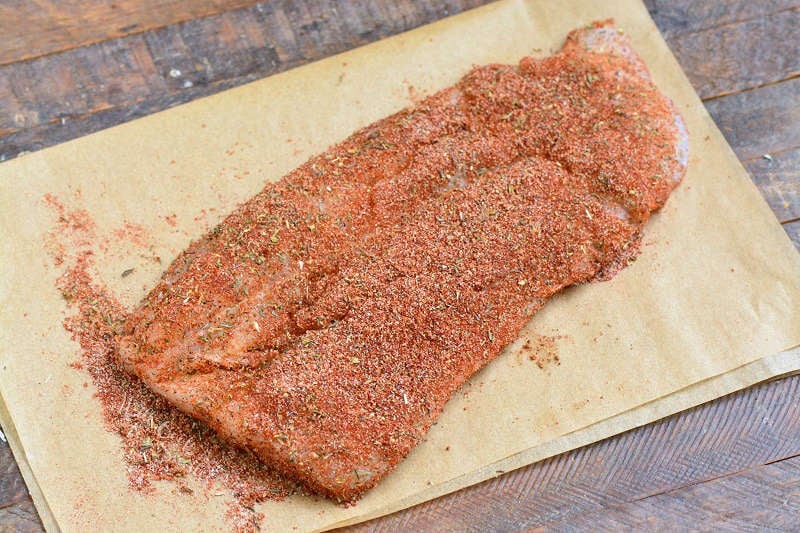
{"x": 325, "y": 323}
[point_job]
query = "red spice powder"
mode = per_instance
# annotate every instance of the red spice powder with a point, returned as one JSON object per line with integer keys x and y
{"x": 134, "y": 233}
{"x": 158, "y": 442}
{"x": 77, "y": 224}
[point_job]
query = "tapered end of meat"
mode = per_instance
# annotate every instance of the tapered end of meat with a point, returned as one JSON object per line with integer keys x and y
{"x": 605, "y": 39}
{"x": 326, "y": 322}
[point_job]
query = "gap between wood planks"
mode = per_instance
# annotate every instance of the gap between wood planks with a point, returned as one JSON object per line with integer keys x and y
{"x": 15, "y": 501}
{"x": 196, "y": 58}
{"x": 672, "y": 490}
{"x": 708, "y": 480}
{"x": 734, "y": 21}
{"x": 698, "y": 15}
{"x": 34, "y": 120}
{"x": 740, "y": 55}
{"x": 789, "y": 77}
{"x": 670, "y": 508}
{"x": 36, "y": 29}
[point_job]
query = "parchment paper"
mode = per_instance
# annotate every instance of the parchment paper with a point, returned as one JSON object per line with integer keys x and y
{"x": 708, "y": 308}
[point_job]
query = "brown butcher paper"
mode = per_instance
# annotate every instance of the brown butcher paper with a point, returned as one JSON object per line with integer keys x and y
{"x": 711, "y": 305}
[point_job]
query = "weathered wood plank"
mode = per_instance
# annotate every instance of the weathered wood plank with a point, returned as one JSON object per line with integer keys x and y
{"x": 729, "y": 58}
{"x": 762, "y": 121}
{"x": 677, "y": 17}
{"x": 17, "y": 512}
{"x": 136, "y": 75}
{"x": 80, "y": 82}
{"x": 20, "y": 518}
{"x": 141, "y": 74}
{"x": 764, "y": 498}
{"x": 737, "y": 432}
{"x": 12, "y": 486}
{"x": 777, "y": 176}
{"x": 70, "y": 127}
{"x": 33, "y": 29}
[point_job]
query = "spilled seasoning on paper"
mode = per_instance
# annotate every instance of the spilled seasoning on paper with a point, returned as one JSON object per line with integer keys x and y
{"x": 542, "y": 349}
{"x": 158, "y": 442}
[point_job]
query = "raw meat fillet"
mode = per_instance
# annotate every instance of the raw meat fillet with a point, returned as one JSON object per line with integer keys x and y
{"x": 325, "y": 323}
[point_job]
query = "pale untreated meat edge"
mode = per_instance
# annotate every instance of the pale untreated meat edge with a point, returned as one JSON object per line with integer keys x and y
{"x": 326, "y": 322}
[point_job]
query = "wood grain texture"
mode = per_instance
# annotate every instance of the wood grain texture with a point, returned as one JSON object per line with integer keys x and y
{"x": 760, "y": 121}
{"x": 32, "y": 29}
{"x": 717, "y": 63}
{"x": 62, "y": 96}
{"x": 21, "y": 518}
{"x": 763, "y": 498}
{"x": 678, "y": 17}
{"x": 777, "y": 175}
{"x": 12, "y": 487}
{"x": 735, "y": 433}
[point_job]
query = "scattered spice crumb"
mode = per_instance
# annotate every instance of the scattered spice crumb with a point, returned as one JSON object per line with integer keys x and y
{"x": 77, "y": 223}
{"x": 158, "y": 442}
{"x": 133, "y": 233}
{"x": 543, "y": 349}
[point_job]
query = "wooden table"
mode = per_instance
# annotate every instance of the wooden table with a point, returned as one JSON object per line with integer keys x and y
{"x": 71, "y": 68}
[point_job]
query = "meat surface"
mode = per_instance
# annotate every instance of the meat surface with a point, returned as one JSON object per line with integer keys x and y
{"x": 326, "y": 322}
